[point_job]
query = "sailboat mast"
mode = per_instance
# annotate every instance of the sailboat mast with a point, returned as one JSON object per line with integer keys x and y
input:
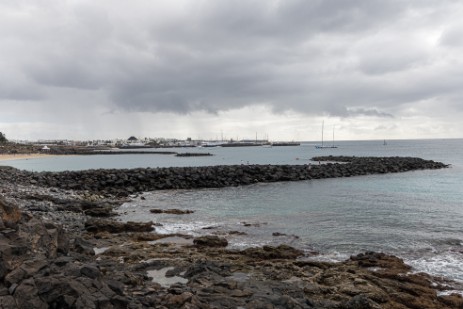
{"x": 323, "y": 125}
{"x": 333, "y": 137}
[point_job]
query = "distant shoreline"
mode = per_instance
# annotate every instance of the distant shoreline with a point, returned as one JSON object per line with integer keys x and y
{"x": 23, "y": 156}
{"x": 27, "y": 156}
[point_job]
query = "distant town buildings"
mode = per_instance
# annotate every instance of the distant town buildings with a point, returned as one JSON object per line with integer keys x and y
{"x": 134, "y": 142}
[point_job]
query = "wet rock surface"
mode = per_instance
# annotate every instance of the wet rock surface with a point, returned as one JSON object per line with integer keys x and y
{"x": 171, "y": 211}
{"x": 55, "y": 253}
{"x": 210, "y": 241}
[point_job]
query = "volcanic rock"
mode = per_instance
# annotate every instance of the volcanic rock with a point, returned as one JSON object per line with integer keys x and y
{"x": 210, "y": 241}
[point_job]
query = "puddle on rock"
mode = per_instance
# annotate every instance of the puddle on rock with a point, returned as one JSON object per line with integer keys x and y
{"x": 159, "y": 276}
{"x": 100, "y": 250}
{"x": 173, "y": 240}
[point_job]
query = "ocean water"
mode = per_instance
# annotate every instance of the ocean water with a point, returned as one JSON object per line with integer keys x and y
{"x": 415, "y": 215}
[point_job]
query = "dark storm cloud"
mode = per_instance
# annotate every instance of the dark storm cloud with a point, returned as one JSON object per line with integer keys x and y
{"x": 335, "y": 57}
{"x": 224, "y": 56}
{"x": 369, "y": 112}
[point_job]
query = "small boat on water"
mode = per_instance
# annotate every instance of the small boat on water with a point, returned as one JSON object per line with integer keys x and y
{"x": 323, "y": 146}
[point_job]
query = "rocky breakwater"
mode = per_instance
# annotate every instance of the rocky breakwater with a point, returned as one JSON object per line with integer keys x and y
{"x": 122, "y": 182}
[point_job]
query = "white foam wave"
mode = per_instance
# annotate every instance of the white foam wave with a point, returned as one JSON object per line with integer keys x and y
{"x": 191, "y": 228}
{"x": 331, "y": 257}
{"x": 449, "y": 292}
{"x": 446, "y": 264}
{"x": 243, "y": 244}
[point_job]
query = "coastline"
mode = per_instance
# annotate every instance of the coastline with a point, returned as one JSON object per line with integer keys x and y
{"x": 24, "y": 156}
{"x": 82, "y": 256}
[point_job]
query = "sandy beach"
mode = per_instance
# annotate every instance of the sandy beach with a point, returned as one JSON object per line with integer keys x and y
{"x": 22, "y": 156}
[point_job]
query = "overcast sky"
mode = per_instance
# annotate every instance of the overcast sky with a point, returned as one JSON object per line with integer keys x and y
{"x": 372, "y": 69}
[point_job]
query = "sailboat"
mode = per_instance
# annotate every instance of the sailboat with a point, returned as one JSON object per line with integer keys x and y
{"x": 323, "y": 146}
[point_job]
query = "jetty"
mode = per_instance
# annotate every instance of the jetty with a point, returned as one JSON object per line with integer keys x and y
{"x": 123, "y": 182}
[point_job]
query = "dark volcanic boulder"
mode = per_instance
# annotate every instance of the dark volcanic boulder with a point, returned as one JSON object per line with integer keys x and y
{"x": 96, "y": 226}
{"x": 82, "y": 246}
{"x": 380, "y": 260}
{"x": 10, "y": 214}
{"x": 269, "y": 252}
{"x": 210, "y": 241}
{"x": 203, "y": 267}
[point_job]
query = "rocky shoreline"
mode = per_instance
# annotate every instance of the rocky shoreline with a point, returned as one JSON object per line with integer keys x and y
{"x": 63, "y": 247}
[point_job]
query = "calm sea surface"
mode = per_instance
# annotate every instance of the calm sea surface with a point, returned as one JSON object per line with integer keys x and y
{"x": 415, "y": 215}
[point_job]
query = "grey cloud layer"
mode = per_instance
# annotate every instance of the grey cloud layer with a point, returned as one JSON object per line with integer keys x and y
{"x": 344, "y": 57}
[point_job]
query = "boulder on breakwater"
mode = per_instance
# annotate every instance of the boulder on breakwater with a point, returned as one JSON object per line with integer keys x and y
{"x": 123, "y": 182}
